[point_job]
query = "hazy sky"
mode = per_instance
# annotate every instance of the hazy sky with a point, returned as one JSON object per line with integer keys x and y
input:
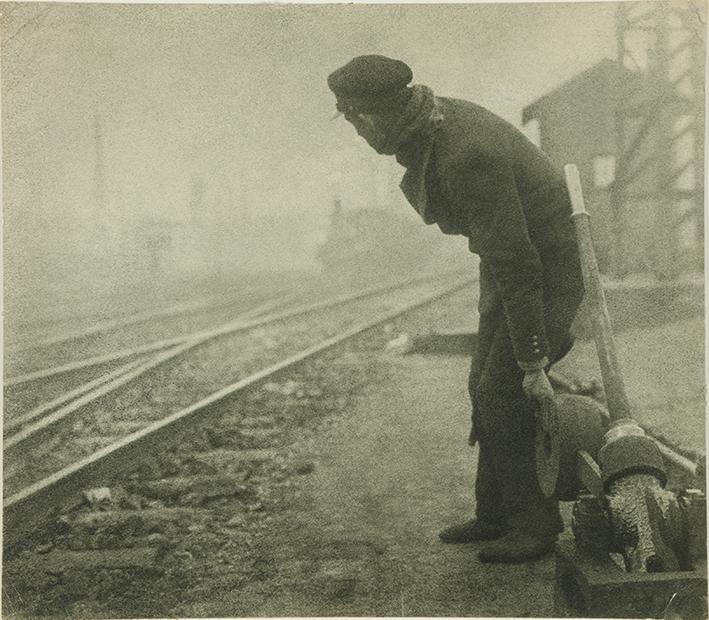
{"x": 237, "y": 95}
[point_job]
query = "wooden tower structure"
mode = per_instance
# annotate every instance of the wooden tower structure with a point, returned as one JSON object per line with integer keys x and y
{"x": 660, "y": 132}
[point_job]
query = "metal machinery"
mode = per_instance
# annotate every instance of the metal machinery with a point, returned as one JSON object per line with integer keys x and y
{"x": 660, "y": 130}
{"x": 639, "y": 547}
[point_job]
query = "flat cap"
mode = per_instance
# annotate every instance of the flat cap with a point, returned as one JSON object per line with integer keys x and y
{"x": 369, "y": 77}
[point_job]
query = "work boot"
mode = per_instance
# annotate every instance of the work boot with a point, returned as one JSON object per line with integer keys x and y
{"x": 470, "y": 531}
{"x": 516, "y": 546}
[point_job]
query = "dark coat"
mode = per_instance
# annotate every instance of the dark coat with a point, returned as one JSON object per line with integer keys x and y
{"x": 482, "y": 178}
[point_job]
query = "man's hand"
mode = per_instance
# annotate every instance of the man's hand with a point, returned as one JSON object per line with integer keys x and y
{"x": 537, "y": 387}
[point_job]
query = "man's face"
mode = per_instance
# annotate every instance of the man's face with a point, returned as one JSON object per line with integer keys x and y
{"x": 373, "y": 127}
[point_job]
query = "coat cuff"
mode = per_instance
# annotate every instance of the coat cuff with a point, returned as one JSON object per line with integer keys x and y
{"x": 534, "y": 365}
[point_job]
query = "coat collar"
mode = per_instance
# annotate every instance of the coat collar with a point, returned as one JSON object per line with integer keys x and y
{"x": 415, "y": 156}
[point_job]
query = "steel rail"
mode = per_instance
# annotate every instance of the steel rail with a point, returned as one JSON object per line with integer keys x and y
{"x": 212, "y": 302}
{"x": 16, "y": 422}
{"x": 46, "y": 373}
{"x": 85, "y": 390}
{"x": 36, "y": 505}
{"x": 104, "y": 326}
{"x": 172, "y": 353}
{"x": 133, "y": 351}
{"x": 163, "y": 344}
{"x": 103, "y": 389}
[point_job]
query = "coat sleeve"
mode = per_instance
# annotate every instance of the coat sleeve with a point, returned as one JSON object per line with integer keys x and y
{"x": 488, "y": 204}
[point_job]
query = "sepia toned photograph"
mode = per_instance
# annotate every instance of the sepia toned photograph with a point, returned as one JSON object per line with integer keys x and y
{"x": 353, "y": 310}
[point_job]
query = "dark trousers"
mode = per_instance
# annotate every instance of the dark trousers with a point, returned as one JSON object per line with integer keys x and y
{"x": 506, "y": 488}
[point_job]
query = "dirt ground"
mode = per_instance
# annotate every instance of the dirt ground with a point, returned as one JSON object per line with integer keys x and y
{"x": 355, "y": 532}
{"x": 359, "y": 536}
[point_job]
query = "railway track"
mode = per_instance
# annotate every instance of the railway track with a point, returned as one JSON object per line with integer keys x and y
{"x": 21, "y": 362}
{"x": 133, "y": 309}
{"x": 30, "y": 396}
{"x": 59, "y": 390}
{"x": 24, "y": 343}
{"x": 143, "y": 516}
{"x": 106, "y": 429}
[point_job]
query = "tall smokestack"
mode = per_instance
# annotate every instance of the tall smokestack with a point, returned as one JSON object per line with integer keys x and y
{"x": 100, "y": 210}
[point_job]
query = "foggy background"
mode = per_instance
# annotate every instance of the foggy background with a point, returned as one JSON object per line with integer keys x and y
{"x": 144, "y": 145}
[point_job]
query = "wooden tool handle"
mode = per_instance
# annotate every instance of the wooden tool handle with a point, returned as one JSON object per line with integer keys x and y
{"x": 618, "y": 406}
{"x": 573, "y": 184}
